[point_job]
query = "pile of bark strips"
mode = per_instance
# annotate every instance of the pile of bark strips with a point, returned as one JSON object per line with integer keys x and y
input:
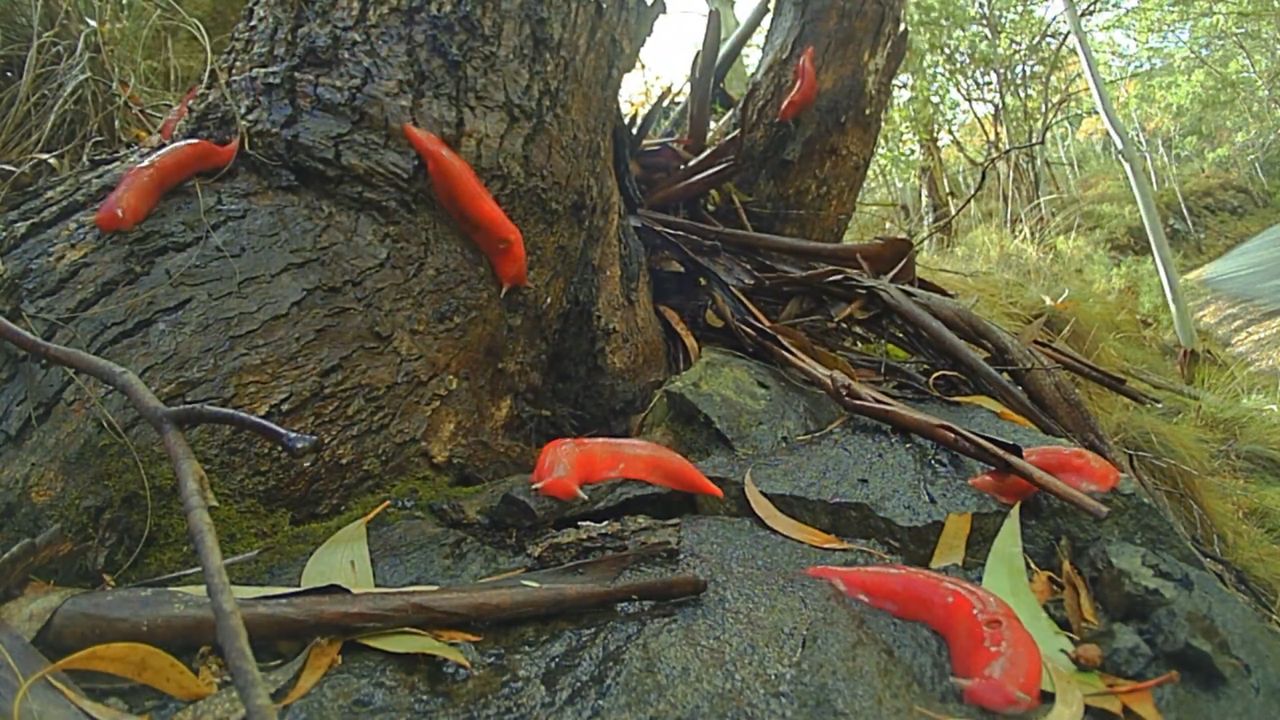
{"x": 829, "y": 312}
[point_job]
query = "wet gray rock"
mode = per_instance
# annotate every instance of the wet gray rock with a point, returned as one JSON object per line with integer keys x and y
{"x": 1190, "y": 623}
{"x": 764, "y": 641}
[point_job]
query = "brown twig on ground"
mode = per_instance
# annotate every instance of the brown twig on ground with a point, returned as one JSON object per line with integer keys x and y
{"x": 1073, "y": 362}
{"x": 882, "y": 256}
{"x": 176, "y": 620}
{"x": 192, "y": 487}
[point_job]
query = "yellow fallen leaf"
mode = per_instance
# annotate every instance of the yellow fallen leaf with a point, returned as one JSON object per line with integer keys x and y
{"x": 1042, "y": 586}
{"x": 994, "y": 406}
{"x": 454, "y": 636}
{"x": 1142, "y": 703}
{"x": 138, "y": 662}
{"x": 93, "y": 709}
{"x": 412, "y": 640}
{"x": 1068, "y": 700}
{"x": 343, "y": 559}
{"x": 1078, "y": 602}
{"x": 1110, "y": 703}
{"x": 792, "y": 528}
{"x": 323, "y": 656}
{"x": 952, "y": 541}
{"x": 682, "y": 330}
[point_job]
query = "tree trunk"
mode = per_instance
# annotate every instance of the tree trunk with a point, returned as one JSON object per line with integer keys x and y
{"x": 320, "y": 284}
{"x": 804, "y": 177}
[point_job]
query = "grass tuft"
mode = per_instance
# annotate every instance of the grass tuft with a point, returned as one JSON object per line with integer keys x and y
{"x": 80, "y": 78}
{"x": 1214, "y": 460}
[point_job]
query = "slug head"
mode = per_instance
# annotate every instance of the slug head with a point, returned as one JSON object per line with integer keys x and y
{"x": 554, "y": 475}
{"x": 509, "y": 259}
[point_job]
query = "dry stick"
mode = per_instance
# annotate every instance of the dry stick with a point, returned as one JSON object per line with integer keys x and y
{"x": 1087, "y": 370}
{"x": 1005, "y": 391}
{"x": 703, "y": 86}
{"x": 192, "y": 486}
{"x": 178, "y": 620}
{"x": 694, "y": 186}
{"x": 725, "y": 150}
{"x": 728, "y": 56}
{"x": 868, "y": 402}
{"x": 886, "y": 253}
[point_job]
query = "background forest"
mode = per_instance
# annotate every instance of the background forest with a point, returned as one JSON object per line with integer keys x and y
{"x": 992, "y": 147}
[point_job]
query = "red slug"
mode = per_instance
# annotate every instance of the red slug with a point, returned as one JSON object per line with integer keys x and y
{"x": 175, "y": 115}
{"x": 1077, "y": 467}
{"x": 145, "y": 183}
{"x": 994, "y": 658}
{"x": 565, "y": 465}
{"x": 804, "y": 89}
{"x": 469, "y": 203}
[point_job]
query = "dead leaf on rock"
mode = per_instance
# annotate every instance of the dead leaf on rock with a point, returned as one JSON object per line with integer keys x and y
{"x": 138, "y": 662}
{"x": 1068, "y": 700}
{"x": 682, "y": 331}
{"x": 454, "y": 636}
{"x": 1042, "y": 586}
{"x": 1081, "y": 611}
{"x": 789, "y": 526}
{"x": 323, "y": 655}
{"x": 412, "y": 640}
{"x": 953, "y": 540}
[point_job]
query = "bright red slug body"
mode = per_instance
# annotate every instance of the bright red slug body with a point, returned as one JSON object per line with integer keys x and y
{"x": 470, "y": 204}
{"x": 804, "y": 89}
{"x": 145, "y": 183}
{"x": 176, "y": 115}
{"x": 994, "y": 658}
{"x": 1077, "y": 467}
{"x": 565, "y": 465}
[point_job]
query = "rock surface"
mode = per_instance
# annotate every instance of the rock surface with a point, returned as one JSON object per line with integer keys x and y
{"x": 764, "y": 641}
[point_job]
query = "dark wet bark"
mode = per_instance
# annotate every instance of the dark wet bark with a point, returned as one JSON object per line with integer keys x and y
{"x": 319, "y": 284}
{"x": 805, "y": 177}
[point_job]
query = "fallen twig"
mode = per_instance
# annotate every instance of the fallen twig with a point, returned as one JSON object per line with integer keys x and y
{"x": 193, "y": 489}
{"x": 881, "y": 256}
{"x": 176, "y": 620}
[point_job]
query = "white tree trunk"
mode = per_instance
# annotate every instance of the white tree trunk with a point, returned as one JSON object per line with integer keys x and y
{"x": 1182, "y": 323}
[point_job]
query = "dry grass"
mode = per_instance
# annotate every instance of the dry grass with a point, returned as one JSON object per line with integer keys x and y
{"x": 1216, "y": 460}
{"x": 86, "y": 77}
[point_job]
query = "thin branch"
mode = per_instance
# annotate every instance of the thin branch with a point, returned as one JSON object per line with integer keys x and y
{"x": 701, "y": 89}
{"x": 728, "y": 55}
{"x": 192, "y": 486}
{"x": 294, "y": 443}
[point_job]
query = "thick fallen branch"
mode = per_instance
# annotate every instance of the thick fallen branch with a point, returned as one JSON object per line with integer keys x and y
{"x": 193, "y": 489}
{"x": 176, "y": 620}
{"x": 881, "y": 257}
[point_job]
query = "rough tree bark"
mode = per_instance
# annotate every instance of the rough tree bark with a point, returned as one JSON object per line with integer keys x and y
{"x": 319, "y": 284}
{"x": 804, "y": 178}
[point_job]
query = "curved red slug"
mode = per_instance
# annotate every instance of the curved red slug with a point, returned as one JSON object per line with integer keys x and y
{"x": 1077, "y": 467}
{"x": 176, "y": 115}
{"x": 994, "y": 658}
{"x": 565, "y": 465}
{"x": 145, "y": 183}
{"x": 804, "y": 88}
{"x": 470, "y": 204}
